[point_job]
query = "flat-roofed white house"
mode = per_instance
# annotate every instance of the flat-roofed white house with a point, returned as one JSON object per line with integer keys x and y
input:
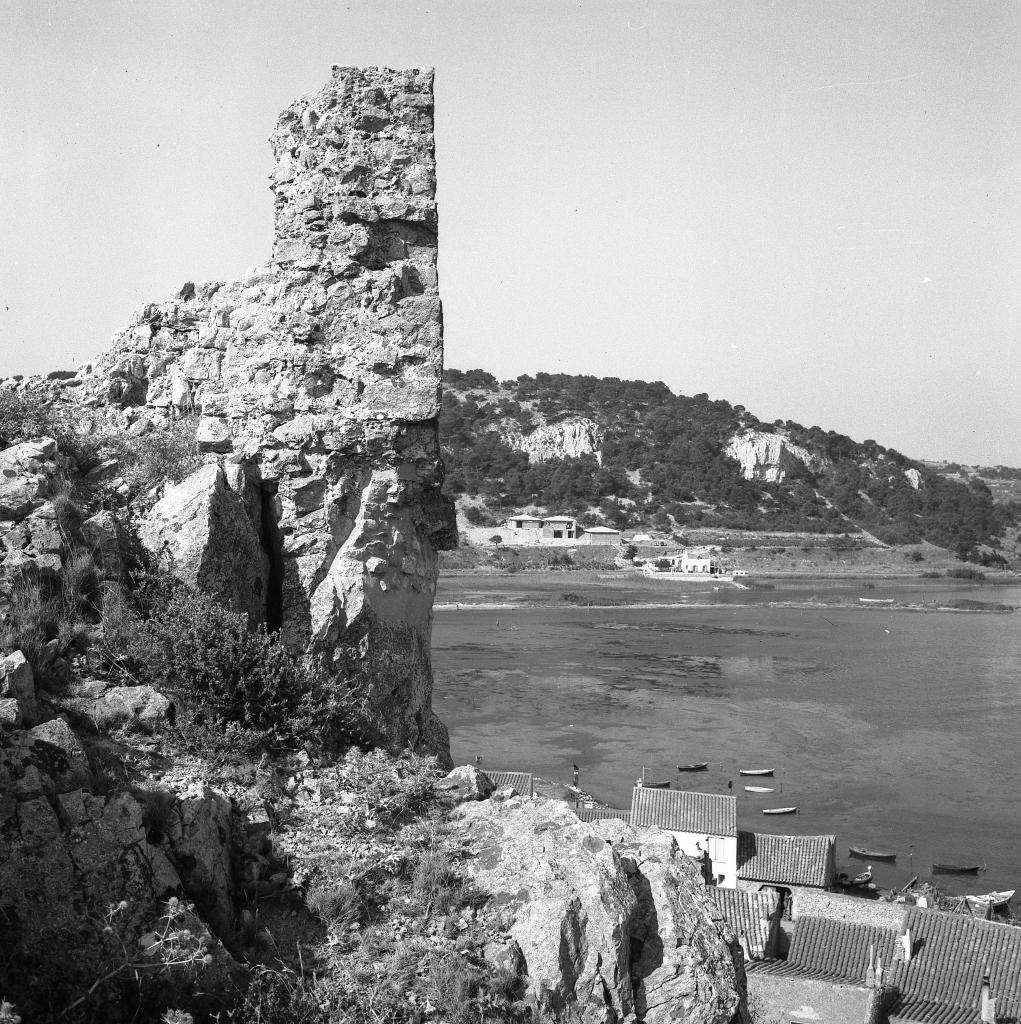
{"x": 560, "y": 528}
{"x": 524, "y": 522}
{"x": 703, "y": 824}
{"x": 524, "y": 528}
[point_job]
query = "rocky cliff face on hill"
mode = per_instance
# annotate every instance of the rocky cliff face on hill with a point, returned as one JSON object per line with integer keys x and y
{"x": 564, "y": 440}
{"x": 770, "y": 457}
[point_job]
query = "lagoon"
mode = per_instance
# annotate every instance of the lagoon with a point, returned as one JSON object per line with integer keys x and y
{"x": 891, "y": 728}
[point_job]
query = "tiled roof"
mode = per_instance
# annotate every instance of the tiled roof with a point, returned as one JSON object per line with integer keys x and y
{"x": 951, "y": 952}
{"x": 602, "y": 813}
{"x": 750, "y": 914}
{"x": 521, "y": 781}
{"x": 788, "y": 860}
{"x": 823, "y": 947}
{"x": 943, "y": 982}
{"x": 681, "y": 811}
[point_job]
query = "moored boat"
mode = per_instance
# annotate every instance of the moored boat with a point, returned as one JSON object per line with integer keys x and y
{"x": 862, "y": 879}
{"x": 955, "y": 869}
{"x": 991, "y": 899}
{"x": 758, "y": 789}
{"x": 864, "y": 854}
{"x": 779, "y": 810}
{"x": 665, "y": 784}
{"x": 755, "y": 771}
{"x": 698, "y": 766}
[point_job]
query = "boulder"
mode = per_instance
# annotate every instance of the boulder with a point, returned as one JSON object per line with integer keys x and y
{"x": 25, "y": 472}
{"x": 139, "y": 710}
{"x": 201, "y": 531}
{"x": 611, "y": 924}
{"x": 467, "y": 783}
{"x": 18, "y": 683}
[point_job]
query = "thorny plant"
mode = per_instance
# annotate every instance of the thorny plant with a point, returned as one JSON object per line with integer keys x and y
{"x": 171, "y": 944}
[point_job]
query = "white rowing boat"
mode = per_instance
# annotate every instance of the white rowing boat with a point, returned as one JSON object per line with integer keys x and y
{"x": 779, "y": 810}
{"x": 758, "y": 789}
{"x": 991, "y": 899}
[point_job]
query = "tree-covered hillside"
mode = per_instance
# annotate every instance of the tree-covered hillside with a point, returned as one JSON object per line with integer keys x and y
{"x": 664, "y": 464}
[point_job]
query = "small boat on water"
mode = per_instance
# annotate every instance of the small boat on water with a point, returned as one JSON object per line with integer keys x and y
{"x": 758, "y": 789}
{"x": 991, "y": 899}
{"x": 876, "y": 600}
{"x": 665, "y": 784}
{"x": 862, "y": 879}
{"x": 698, "y": 766}
{"x": 779, "y": 810}
{"x": 955, "y": 869}
{"x": 755, "y": 771}
{"x": 864, "y": 854}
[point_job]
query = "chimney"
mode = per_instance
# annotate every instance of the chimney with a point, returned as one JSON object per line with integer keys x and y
{"x": 879, "y": 972}
{"x": 906, "y": 940}
{"x": 988, "y": 1004}
{"x": 870, "y": 971}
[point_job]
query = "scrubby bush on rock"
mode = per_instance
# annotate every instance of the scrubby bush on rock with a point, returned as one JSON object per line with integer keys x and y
{"x": 233, "y": 678}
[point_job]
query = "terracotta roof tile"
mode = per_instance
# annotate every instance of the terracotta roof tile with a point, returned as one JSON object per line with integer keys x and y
{"x": 750, "y": 914}
{"x": 951, "y": 953}
{"x": 681, "y": 811}
{"x": 602, "y": 813}
{"x": 840, "y": 949}
{"x": 788, "y": 860}
{"x": 521, "y": 781}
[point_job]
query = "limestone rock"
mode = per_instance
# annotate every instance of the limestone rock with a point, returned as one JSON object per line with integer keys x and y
{"x": 17, "y": 682}
{"x": 102, "y": 532}
{"x": 199, "y": 840}
{"x": 320, "y": 372}
{"x": 117, "y": 709}
{"x": 682, "y": 969}
{"x": 25, "y": 472}
{"x": 467, "y": 783}
{"x": 567, "y": 439}
{"x": 612, "y": 924}
{"x": 769, "y": 457}
{"x": 201, "y": 530}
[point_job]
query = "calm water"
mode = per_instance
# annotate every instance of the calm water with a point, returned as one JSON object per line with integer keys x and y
{"x": 888, "y": 728}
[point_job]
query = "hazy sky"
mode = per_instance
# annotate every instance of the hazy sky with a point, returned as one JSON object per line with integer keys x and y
{"x": 808, "y": 208}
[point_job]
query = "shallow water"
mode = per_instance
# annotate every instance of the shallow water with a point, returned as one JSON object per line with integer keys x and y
{"x": 886, "y": 727}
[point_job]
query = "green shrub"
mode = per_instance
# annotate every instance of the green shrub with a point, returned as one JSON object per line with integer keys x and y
{"x": 233, "y": 678}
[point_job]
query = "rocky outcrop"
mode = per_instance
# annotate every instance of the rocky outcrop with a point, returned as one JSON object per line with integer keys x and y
{"x": 606, "y": 923}
{"x": 315, "y": 379}
{"x": 203, "y": 532}
{"x": 770, "y": 457}
{"x": 566, "y": 439}
{"x": 914, "y": 478}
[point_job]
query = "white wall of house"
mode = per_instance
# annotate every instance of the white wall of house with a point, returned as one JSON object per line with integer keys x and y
{"x": 722, "y": 854}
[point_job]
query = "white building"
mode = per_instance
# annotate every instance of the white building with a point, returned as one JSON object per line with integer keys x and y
{"x": 703, "y": 824}
{"x": 600, "y": 535}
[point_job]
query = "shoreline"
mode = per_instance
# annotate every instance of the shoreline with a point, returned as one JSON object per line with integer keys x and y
{"x": 464, "y": 606}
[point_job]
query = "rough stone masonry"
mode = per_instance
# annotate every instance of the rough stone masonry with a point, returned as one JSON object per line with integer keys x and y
{"x": 317, "y": 379}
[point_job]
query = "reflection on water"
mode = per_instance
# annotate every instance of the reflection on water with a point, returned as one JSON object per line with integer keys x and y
{"x": 887, "y": 728}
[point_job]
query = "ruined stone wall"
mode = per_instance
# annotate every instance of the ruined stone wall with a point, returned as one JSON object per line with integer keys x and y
{"x": 317, "y": 379}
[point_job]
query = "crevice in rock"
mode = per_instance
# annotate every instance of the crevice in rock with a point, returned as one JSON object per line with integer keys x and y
{"x": 272, "y": 541}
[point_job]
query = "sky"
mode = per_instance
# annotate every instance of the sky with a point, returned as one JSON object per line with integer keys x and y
{"x": 812, "y": 209}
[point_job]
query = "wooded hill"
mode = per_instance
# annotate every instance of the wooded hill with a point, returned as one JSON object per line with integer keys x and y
{"x": 664, "y": 464}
